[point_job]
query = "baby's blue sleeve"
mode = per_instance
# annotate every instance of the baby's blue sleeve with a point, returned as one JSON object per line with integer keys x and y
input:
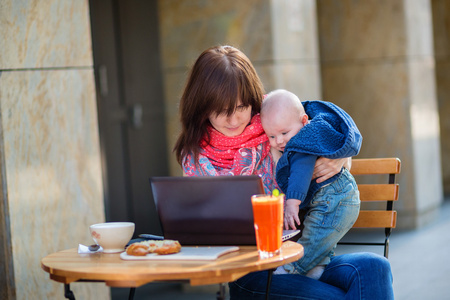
{"x": 301, "y": 167}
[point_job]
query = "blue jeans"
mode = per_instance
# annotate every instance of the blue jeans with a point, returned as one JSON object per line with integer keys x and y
{"x": 330, "y": 215}
{"x": 348, "y": 276}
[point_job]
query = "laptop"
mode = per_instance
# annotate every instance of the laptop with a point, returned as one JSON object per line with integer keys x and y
{"x": 208, "y": 210}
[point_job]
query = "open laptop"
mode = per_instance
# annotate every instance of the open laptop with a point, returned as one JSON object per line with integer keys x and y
{"x": 208, "y": 210}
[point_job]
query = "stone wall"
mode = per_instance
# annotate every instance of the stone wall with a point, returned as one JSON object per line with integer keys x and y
{"x": 378, "y": 64}
{"x": 50, "y": 164}
{"x": 441, "y": 25}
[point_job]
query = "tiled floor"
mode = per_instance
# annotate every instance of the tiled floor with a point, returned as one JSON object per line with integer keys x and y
{"x": 419, "y": 259}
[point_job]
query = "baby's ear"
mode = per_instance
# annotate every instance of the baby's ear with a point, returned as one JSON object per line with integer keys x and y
{"x": 304, "y": 119}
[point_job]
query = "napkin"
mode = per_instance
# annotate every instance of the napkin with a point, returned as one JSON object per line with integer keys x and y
{"x": 85, "y": 249}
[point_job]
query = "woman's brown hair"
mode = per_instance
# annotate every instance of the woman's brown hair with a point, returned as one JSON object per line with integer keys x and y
{"x": 220, "y": 77}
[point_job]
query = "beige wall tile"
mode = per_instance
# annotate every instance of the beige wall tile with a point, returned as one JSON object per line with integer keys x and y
{"x": 443, "y": 94}
{"x": 188, "y": 27}
{"x": 419, "y": 27}
{"x": 441, "y": 27}
{"x": 295, "y": 63}
{"x": 361, "y": 29}
{"x": 301, "y": 78}
{"x": 53, "y": 172}
{"x": 294, "y": 29}
{"x": 425, "y": 132}
{"x": 38, "y": 34}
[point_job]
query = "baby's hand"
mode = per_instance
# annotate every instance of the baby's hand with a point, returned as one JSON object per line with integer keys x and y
{"x": 291, "y": 213}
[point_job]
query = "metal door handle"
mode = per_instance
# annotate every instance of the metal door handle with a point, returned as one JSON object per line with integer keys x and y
{"x": 136, "y": 113}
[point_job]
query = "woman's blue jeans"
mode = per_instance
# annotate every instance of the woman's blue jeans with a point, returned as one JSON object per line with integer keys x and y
{"x": 347, "y": 276}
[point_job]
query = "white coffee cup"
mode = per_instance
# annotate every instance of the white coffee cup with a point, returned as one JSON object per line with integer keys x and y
{"x": 112, "y": 236}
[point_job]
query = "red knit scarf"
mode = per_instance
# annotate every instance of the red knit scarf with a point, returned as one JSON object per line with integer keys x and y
{"x": 223, "y": 151}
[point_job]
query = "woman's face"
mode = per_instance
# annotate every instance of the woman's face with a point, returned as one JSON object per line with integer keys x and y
{"x": 232, "y": 125}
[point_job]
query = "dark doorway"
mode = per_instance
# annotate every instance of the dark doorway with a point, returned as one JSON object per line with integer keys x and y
{"x": 130, "y": 108}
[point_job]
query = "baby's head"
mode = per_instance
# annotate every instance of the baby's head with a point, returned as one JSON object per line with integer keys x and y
{"x": 282, "y": 117}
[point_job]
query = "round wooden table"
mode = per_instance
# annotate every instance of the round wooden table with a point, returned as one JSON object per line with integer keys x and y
{"x": 69, "y": 266}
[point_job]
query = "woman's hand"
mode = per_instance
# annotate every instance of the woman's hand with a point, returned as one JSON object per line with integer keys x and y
{"x": 291, "y": 213}
{"x": 326, "y": 168}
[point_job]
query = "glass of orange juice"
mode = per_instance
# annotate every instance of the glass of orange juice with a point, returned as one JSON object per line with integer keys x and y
{"x": 268, "y": 220}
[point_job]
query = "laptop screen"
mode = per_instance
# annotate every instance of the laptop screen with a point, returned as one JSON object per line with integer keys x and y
{"x": 207, "y": 210}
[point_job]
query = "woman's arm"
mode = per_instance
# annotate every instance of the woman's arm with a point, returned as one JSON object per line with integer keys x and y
{"x": 326, "y": 168}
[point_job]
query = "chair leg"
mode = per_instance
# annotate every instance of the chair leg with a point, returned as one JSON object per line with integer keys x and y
{"x": 386, "y": 248}
{"x": 269, "y": 281}
{"x": 68, "y": 294}
{"x": 387, "y": 232}
{"x": 131, "y": 294}
{"x": 221, "y": 293}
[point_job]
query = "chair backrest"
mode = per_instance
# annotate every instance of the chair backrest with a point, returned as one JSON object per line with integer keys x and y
{"x": 377, "y": 192}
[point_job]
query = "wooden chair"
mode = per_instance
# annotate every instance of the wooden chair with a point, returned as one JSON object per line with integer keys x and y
{"x": 375, "y": 192}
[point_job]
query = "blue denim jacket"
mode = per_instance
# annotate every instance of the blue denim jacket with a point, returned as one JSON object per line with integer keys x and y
{"x": 331, "y": 133}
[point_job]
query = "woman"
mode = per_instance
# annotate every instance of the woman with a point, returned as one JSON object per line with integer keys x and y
{"x": 222, "y": 135}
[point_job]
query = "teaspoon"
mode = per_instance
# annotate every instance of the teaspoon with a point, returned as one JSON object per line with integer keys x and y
{"x": 93, "y": 247}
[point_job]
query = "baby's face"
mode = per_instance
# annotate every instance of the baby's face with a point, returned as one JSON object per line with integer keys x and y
{"x": 281, "y": 127}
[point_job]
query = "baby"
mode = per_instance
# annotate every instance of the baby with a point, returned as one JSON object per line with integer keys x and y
{"x": 331, "y": 206}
